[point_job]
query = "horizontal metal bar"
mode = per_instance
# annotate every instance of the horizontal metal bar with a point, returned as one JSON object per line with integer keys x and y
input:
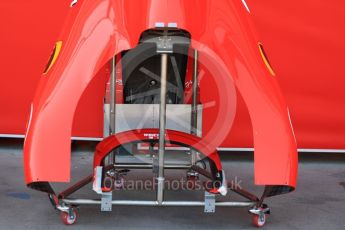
{"x": 321, "y": 150}
{"x": 12, "y": 136}
{"x": 167, "y": 148}
{"x": 149, "y": 166}
{"x": 86, "y": 138}
{"x": 155, "y": 203}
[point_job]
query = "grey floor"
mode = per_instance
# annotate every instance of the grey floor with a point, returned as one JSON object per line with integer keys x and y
{"x": 318, "y": 202}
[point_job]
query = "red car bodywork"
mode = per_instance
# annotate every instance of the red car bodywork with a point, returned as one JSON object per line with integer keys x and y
{"x": 97, "y": 30}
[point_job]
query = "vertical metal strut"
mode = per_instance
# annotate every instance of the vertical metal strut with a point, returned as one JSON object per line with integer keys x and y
{"x": 194, "y": 111}
{"x": 112, "y": 95}
{"x": 111, "y": 157}
{"x": 162, "y": 120}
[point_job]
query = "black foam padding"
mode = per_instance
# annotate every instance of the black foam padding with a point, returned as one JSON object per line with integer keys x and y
{"x": 143, "y": 62}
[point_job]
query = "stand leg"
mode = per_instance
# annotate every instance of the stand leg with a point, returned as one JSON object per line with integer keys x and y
{"x": 111, "y": 157}
{"x": 194, "y": 112}
{"x": 162, "y": 120}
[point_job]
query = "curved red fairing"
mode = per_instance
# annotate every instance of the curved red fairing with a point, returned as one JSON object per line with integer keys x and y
{"x": 97, "y": 30}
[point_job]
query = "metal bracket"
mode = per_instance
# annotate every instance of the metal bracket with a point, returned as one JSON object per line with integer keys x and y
{"x": 164, "y": 44}
{"x": 260, "y": 211}
{"x": 155, "y": 166}
{"x": 71, "y": 214}
{"x": 210, "y": 203}
{"x": 63, "y": 208}
{"x": 97, "y": 181}
{"x": 162, "y": 25}
{"x": 172, "y": 24}
{"x": 106, "y": 201}
{"x": 191, "y": 173}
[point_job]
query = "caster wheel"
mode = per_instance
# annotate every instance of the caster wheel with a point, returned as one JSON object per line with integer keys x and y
{"x": 259, "y": 220}
{"x": 108, "y": 184}
{"x": 192, "y": 182}
{"x": 67, "y": 219}
{"x": 119, "y": 183}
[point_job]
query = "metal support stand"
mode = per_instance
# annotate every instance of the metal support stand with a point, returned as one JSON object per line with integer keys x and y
{"x": 162, "y": 120}
{"x": 194, "y": 118}
{"x": 112, "y": 95}
{"x": 111, "y": 157}
{"x": 101, "y": 173}
{"x": 155, "y": 203}
{"x": 194, "y": 112}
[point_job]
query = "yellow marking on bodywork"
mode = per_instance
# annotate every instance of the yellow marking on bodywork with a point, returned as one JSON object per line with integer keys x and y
{"x": 265, "y": 59}
{"x": 54, "y": 56}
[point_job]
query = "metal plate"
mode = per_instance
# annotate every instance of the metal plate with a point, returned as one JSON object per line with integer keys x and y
{"x": 210, "y": 203}
{"x": 139, "y": 116}
{"x": 106, "y": 202}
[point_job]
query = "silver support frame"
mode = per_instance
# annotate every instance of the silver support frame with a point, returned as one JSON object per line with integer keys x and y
{"x": 194, "y": 112}
{"x": 209, "y": 203}
{"x": 156, "y": 203}
{"x": 112, "y": 96}
{"x": 162, "y": 120}
{"x": 111, "y": 156}
{"x": 151, "y": 166}
{"x": 163, "y": 48}
{"x": 195, "y": 94}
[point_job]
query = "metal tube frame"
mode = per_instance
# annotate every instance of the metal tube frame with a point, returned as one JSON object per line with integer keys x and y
{"x": 150, "y": 166}
{"x": 156, "y": 203}
{"x": 112, "y": 96}
{"x": 253, "y": 200}
{"x": 63, "y": 197}
{"x": 194, "y": 112}
{"x": 111, "y": 158}
{"x": 162, "y": 120}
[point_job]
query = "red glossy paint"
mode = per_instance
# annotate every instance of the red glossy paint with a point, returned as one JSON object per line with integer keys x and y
{"x": 223, "y": 34}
